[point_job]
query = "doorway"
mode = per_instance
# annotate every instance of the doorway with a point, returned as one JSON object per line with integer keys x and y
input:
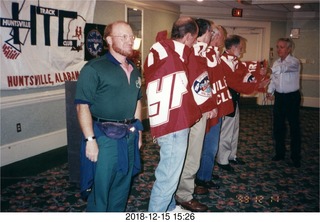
{"x": 257, "y": 34}
{"x": 253, "y": 49}
{"x": 253, "y": 46}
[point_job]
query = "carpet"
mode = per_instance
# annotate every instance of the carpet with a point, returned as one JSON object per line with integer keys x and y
{"x": 260, "y": 185}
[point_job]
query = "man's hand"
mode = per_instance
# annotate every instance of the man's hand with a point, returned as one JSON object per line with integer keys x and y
{"x": 212, "y": 114}
{"x": 263, "y": 71}
{"x": 140, "y": 139}
{"x": 264, "y": 83}
{"x": 92, "y": 150}
{"x": 270, "y": 96}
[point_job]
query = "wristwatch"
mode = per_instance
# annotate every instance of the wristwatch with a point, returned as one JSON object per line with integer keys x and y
{"x": 90, "y": 138}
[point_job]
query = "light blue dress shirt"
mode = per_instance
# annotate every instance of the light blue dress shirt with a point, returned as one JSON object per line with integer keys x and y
{"x": 285, "y": 76}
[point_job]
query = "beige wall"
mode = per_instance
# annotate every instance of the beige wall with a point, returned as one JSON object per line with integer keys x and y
{"x": 107, "y": 12}
{"x": 155, "y": 21}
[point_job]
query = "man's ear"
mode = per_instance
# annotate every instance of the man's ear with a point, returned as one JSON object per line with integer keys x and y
{"x": 185, "y": 38}
{"x": 189, "y": 36}
{"x": 109, "y": 40}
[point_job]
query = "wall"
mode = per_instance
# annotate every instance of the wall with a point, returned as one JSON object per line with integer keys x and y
{"x": 43, "y": 124}
{"x": 278, "y": 29}
{"x": 107, "y": 12}
{"x": 161, "y": 21}
{"x": 307, "y": 50}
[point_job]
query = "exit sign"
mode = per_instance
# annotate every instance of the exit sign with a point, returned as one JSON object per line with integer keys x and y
{"x": 237, "y": 12}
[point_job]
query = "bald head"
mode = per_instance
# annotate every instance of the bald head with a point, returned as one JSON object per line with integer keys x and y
{"x": 185, "y": 30}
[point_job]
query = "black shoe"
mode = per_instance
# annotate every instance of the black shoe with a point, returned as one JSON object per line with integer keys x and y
{"x": 207, "y": 184}
{"x": 237, "y": 161}
{"x": 211, "y": 184}
{"x": 215, "y": 177}
{"x": 297, "y": 164}
{"x": 226, "y": 167}
{"x": 277, "y": 158}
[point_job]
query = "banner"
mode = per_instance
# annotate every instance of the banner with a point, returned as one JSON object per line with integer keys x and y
{"x": 42, "y": 41}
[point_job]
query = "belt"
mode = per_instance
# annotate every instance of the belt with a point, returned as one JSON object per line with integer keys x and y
{"x": 125, "y": 121}
{"x": 286, "y": 93}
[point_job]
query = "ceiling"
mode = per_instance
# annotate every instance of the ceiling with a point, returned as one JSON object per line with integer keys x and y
{"x": 271, "y": 5}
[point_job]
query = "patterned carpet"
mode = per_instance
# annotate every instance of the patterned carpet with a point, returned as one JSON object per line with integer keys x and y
{"x": 259, "y": 186}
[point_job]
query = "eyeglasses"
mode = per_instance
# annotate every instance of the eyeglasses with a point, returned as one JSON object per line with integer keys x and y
{"x": 125, "y": 37}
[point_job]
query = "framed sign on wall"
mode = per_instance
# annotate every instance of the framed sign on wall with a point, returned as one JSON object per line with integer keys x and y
{"x": 295, "y": 33}
{"x": 95, "y": 46}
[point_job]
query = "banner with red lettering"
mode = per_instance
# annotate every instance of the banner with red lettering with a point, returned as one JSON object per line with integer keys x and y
{"x": 42, "y": 41}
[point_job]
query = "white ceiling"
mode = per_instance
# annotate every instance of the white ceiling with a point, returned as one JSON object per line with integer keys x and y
{"x": 271, "y": 5}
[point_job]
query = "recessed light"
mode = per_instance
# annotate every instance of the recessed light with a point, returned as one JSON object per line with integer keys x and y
{"x": 297, "y": 6}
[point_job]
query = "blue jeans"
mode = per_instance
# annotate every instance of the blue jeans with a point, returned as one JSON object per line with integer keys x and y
{"x": 209, "y": 151}
{"x": 173, "y": 149}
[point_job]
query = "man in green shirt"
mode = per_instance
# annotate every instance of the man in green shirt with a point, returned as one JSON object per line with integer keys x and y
{"x": 108, "y": 91}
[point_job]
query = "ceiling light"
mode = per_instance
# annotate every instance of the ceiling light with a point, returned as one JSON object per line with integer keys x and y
{"x": 297, "y": 6}
{"x": 199, "y": 0}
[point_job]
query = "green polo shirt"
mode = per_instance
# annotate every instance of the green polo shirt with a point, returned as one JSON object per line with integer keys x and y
{"x": 104, "y": 86}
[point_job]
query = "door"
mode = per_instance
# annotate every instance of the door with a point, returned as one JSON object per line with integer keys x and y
{"x": 253, "y": 46}
{"x": 253, "y": 49}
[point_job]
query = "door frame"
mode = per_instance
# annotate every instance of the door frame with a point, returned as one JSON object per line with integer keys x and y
{"x": 265, "y": 42}
{"x": 265, "y": 26}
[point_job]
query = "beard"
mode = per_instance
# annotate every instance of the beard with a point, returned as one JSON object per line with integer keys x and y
{"x": 122, "y": 51}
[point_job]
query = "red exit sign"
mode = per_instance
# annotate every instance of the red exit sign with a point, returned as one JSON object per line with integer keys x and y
{"x": 237, "y": 12}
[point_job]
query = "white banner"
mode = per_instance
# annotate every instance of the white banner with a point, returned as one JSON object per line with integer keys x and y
{"x": 42, "y": 41}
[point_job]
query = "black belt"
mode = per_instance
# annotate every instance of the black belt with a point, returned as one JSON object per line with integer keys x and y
{"x": 287, "y": 93}
{"x": 125, "y": 121}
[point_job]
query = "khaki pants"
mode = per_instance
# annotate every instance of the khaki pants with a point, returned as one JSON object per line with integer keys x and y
{"x": 229, "y": 136}
{"x": 192, "y": 162}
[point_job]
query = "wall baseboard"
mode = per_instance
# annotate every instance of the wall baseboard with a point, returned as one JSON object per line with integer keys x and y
{"x": 23, "y": 149}
{"x": 32, "y": 98}
{"x": 306, "y": 101}
{"x": 310, "y": 102}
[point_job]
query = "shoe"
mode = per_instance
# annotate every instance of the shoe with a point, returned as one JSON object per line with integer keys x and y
{"x": 207, "y": 184}
{"x": 215, "y": 177}
{"x": 179, "y": 209}
{"x": 237, "y": 161}
{"x": 226, "y": 167}
{"x": 194, "y": 206}
{"x": 277, "y": 158}
{"x": 297, "y": 164}
{"x": 200, "y": 190}
{"x": 211, "y": 184}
